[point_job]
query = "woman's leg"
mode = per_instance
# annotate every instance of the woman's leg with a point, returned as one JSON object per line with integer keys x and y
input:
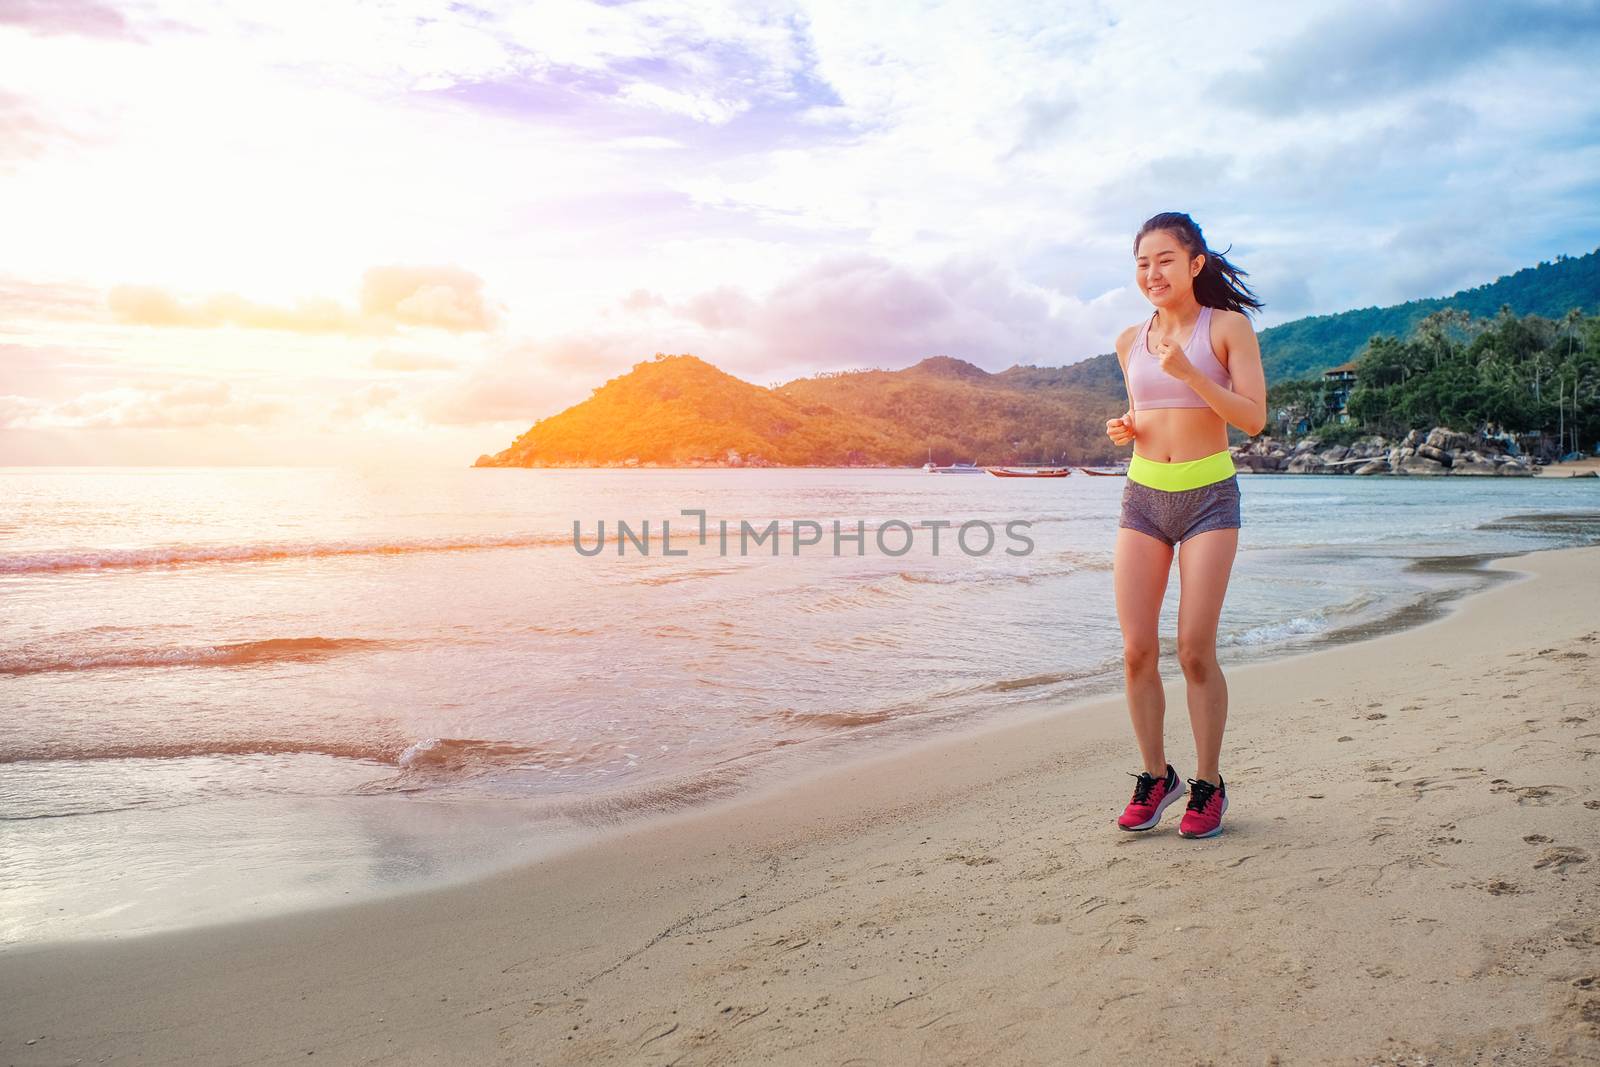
{"x": 1204, "y": 564}
{"x": 1139, "y": 572}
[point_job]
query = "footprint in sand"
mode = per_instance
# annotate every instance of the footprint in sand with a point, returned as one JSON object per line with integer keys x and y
{"x": 1118, "y": 944}
{"x": 1501, "y": 888}
{"x": 971, "y": 860}
{"x": 1560, "y": 858}
{"x": 1122, "y": 935}
{"x": 1579, "y": 1015}
{"x": 1419, "y": 786}
{"x": 1383, "y": 826}
{"x": 1537, "y": 839}
{"x": 1534, "y": 794}
{"x": 1577, "y": 932}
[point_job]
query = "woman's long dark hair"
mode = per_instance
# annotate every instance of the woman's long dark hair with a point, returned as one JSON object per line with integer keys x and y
{"x": 1219, "y": 284}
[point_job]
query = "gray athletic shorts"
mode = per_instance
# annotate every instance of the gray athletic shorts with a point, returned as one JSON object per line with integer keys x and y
{"x": 1176, "y": 516}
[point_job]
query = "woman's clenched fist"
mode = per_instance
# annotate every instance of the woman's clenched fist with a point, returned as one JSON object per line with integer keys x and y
{"x": 1120, "y": 430}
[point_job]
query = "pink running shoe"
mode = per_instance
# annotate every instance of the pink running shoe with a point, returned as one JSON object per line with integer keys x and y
{"x": 1207, "y": 802}
{"x": 1151, "y": 795}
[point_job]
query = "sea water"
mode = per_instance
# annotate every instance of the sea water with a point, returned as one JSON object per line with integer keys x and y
{"x": 229, "y": 691}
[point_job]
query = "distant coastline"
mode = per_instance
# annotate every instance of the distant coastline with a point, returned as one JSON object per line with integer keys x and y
{"x": 1512, "y": 363}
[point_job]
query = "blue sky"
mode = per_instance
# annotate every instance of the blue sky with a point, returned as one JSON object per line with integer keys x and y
{"x": 240, "y": 232}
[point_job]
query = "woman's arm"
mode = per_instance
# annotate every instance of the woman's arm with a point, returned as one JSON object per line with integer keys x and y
{"x": 1245, "y": 405}
{"x": 1120, "y": 429}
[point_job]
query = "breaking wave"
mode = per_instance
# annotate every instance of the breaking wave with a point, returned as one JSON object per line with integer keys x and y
{"x": 70, "y": 560}
{"x": 236, "y": 654}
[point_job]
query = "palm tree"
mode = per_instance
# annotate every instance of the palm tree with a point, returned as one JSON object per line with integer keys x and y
{"x": 1571, "y": 320}
{"x": 1561, "y": 411}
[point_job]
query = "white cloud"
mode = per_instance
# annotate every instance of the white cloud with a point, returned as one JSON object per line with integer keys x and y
{"x": 189, "y": 405}
{"x": 778, "y": 187}
{"x": 444, "y": 298}
{"x": 864, "y": 311}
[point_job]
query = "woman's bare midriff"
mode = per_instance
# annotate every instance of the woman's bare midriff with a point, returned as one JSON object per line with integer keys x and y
{"x": 1178, "y": 435}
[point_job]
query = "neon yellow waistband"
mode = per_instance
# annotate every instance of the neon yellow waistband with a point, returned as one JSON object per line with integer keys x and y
{"x": 1175, "y": 477}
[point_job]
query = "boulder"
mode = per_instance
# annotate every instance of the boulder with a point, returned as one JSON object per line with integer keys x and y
{"x": 1371, "y": 445}
{"x": 1435, "y": 453}
{"x": 1472, "y": 463}
{"x": 1447, "y": 440}
{"x": 1440, "y": 450}
{"x": 1420, "y": 464}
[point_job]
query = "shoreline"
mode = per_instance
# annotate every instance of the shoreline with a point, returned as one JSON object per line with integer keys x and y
{"x": 823, "y": 916}
{"x": 548, "y": 827}
{"x": 1574, "y": 468}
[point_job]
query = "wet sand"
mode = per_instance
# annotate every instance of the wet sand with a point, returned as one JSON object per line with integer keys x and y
{"x": 1407, "y": 875}
{"x": 1584, "y": 466}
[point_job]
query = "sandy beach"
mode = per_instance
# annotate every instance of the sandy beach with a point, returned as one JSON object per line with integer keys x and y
{"x": 1582, "y": 467}
{"x": 1407, "y": 875}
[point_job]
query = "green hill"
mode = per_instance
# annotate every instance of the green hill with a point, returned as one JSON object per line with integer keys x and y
{"x": 1306, "y": 347}
{"x": 676, "y": 410}
{"x": 963, "y": 412}
{"x": 680, "y": 410}
{"x": 1309, "y": 346}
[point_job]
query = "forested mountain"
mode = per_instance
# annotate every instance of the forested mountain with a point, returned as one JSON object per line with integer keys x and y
{"x": 963, "y": 412}
{"x": 1306, "y": 347}
{"x": 677, "y": 410}
{"x": 681, "y": 411}
{"x": 1311, "y": 345}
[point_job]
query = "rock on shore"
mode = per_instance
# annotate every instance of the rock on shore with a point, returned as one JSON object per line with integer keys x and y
{"x": 1439, "y": 451}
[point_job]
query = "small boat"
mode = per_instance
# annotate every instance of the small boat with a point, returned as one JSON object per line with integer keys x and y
{"x": 1116, "y": 472}
{"x": 1029, "y": 472}
{"x": 958, "y": 468}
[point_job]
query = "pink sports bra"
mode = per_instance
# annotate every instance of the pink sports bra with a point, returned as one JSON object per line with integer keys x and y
{"x": 1151, "y": 387}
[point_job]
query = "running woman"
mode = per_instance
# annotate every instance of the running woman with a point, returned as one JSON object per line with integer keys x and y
{"x": 1191, "y": 369}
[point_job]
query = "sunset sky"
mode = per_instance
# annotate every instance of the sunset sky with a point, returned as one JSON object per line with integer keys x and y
{"x": 323, "y": 232}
